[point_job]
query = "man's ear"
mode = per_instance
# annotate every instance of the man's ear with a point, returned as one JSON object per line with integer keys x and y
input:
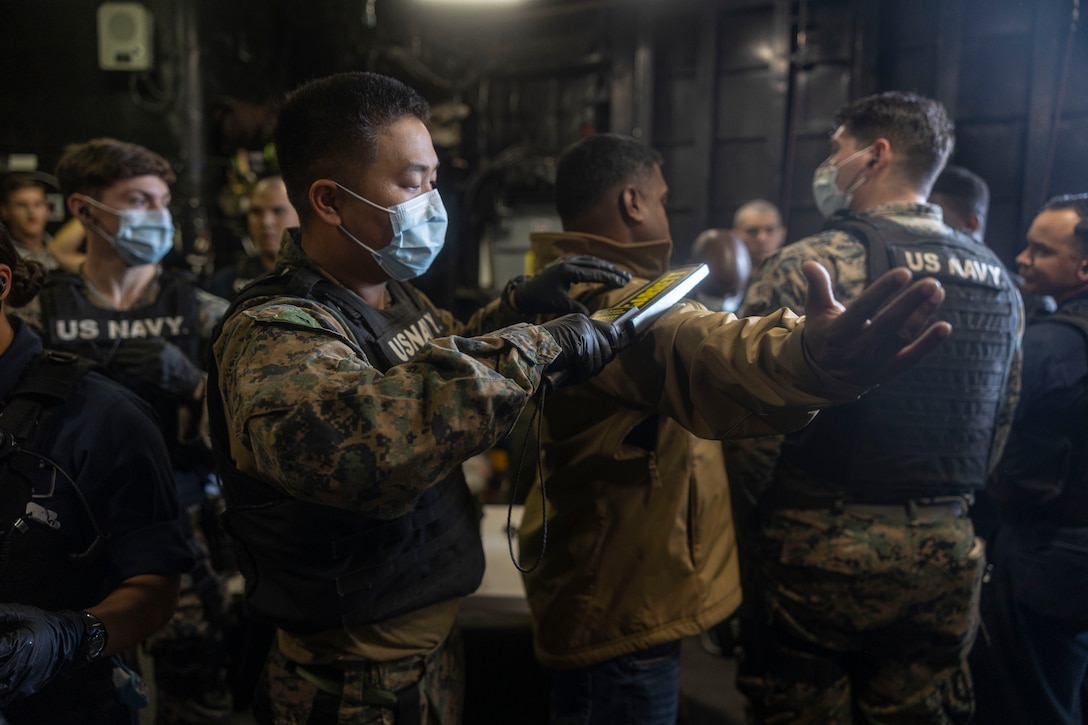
{"x": 324, "y": 199}
{"x": 77, "y": 207}
{"x": 972, "y": 222}
{"x": 1082, "y": 269}
{"x": 5, "y": 281}
{"x": 882, "y": 154}
{"x": 631, "y": 205}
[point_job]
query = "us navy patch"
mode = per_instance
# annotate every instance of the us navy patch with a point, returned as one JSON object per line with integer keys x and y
{"x": 68, "y": 330}
{"x": 407, "y": 341}
{"x": 943, "y": 265}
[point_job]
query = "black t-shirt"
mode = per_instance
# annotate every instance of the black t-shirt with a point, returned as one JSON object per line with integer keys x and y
{"x": 107, "y": 442}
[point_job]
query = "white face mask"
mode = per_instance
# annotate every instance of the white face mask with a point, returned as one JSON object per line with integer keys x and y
{"x": 419, "y": 232}
{"x": 144, "y": 236}
{"x": 829, "y": 198}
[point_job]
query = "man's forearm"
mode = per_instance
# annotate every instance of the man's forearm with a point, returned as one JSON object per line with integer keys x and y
{"x": 137, "y": 608}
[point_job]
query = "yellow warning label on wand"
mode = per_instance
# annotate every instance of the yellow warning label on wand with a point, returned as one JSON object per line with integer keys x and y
{"x": 655, "y": 291}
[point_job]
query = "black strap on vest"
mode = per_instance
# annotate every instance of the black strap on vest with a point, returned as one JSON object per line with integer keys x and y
{"x": 366, "y": 323}
{"x": 861, "y": 230}
{"x": 26, "y": 420}
{"x": 27, "y": 423}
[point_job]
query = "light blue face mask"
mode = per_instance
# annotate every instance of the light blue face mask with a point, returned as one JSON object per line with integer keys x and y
{"x": 828, "y": 196}
{"x": 419, "y": 231}
{"x": 144, "y": 236}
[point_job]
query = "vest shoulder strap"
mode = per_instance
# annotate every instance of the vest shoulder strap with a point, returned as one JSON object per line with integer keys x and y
{"x": 868, "y": 233}
{"x": 27, "y": 417}
{"x": 27, "y": 421}
{"x": 366, "y": 323}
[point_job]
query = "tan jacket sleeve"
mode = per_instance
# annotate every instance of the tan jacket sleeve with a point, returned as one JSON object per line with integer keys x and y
{"x": 720, "y": 376}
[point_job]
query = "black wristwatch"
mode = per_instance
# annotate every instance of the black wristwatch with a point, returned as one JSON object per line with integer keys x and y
{"x": 95, "y": 638}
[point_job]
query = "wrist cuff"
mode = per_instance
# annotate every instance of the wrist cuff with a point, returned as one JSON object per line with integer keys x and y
{"x": 508, "y": 291}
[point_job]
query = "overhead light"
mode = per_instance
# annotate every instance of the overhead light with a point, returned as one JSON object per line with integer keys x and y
{"x": 452, "y": 3}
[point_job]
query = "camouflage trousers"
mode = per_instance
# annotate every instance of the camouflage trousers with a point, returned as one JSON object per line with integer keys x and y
{"x": 864, "y": 617}
{"x": 364, "y": 693}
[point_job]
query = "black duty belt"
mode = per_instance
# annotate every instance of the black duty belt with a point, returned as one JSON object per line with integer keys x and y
{"x": 928, "y": 508}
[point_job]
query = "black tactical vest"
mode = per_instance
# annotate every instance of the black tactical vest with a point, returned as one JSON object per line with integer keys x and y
{"x": 928, "y": 431}
{"x": 75, "y": 325}
{"x": 1047, "y": 454}
{"x": 72, "y": 323}
{"x": 310, "y": 567}
{"x": 43, "y": 560}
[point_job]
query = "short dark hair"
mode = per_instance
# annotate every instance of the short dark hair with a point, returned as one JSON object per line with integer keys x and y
{"x": 965, "y": 191}
{"x": 918, "y": 127}
{"x": 1079, "y": 204}
{"x": 89, "y": 167}
{"x": 28, "y": 276}
{"x": 329, "y": 124}
{"x": 591, "y": 166}
{"x": 17, "y": 182}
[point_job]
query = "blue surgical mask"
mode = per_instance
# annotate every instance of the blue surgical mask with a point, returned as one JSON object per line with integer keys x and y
{"x": 828, "y": 196}
{"x": 144, "y": 236}
{"x": 419, "y": 231}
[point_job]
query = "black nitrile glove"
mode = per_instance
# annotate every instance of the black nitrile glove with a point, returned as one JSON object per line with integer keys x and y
{"x": 588, "y": 345}
{"x": 546, "y": 291}
{"x": 35, "y": 645}
{"x": 158, "y": 364}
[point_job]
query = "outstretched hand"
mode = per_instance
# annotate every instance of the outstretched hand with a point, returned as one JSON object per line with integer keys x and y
{"x": 877, "y": 336}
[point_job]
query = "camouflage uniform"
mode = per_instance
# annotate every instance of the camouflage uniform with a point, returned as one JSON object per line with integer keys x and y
{"x": 364, "y": 694}
{"x": 867, "y": 611}
{"x": 308, "y": 415}
{"x": 894, "y": 598}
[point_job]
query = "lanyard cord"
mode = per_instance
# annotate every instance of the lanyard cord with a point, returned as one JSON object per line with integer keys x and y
{"x": 539, "y": 415}
{"x": 100, "y": 538}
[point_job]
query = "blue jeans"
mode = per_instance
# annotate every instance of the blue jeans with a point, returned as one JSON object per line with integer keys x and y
{"x": 642, "y": 688}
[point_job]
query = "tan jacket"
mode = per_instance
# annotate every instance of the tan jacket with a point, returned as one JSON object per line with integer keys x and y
{"x": 640, "y": 547}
